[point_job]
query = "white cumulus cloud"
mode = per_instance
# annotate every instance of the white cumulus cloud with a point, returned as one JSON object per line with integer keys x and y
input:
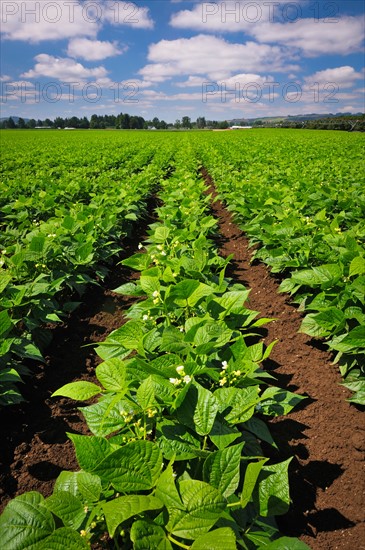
{"x": 93, "y": 50}
{"x": 344, "y": 77}
{"x": 312, "y": 36}
{"x": 127, "y": 13}
{"x": 63, "y": 68}
{"x": 35, "y": 21}
{"x": 315, "y": 37}
{"x": 210, "y": 56}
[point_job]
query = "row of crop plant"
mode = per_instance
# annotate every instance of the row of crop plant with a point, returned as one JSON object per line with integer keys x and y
{"x": 175, "y": 459}
{"x": 300, "y": 199}
{"x": 56, "y": 237}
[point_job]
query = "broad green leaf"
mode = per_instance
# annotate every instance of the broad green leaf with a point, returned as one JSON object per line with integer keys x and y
{"x": 218, "y": 539}
{"x": 149, "y": 536}
{"x": 255, "y": 352}
{"x": 190, "y": 292}
{"x": 260, "y": 430}
{"x": 139, "y": 262}
{"x": 173, "y": 341}
{"x": 146, "y": 393}
{"x": 134, "y": 467}
{"x": 163, "y": 389}
{"x": 112, "y": 374}
{"x": 67, "y": 507}
{"x": 177, "y": 441}
{"x": 36, "y": 246}
{"x": 260, "y": 538}
{"x": 129, "y": 289}
{"x": 353, "y": 312}
{"x": 166, "y": 361}
{"x": 18, "y": 259}
{"x": 161, "y": 234}
{"x": 63, "y": 538}
{"x": 237, "y": 404}
{"x": 25, "y": 522}
{"x": 189, "y": 401}
{"x": 27, "y": 350}
{"x": 251, "y": 476}
{"x": 277, "y": 402}
{"x": 326, "y": 275}
{"x": 321, "y": 324}
{"x": 358, "y": 397}
{"x": 205, "y": 411}
{"x": 120, "y": 509}
{"x": 5, "y": 279}
{"x": 139, "y": 369}
{"x": 151, "y": 340}
{"x": 203, "y": 507}
{"x": 83, "y": 253}
{"x": 80, "y": 391}
{"x": 199, "y": 293}
{"x": 9, "y": 396}
{"x": 212, "y": 332}
{"x": 222, "y": 469}
{"x": 149, "y": 283}
{"x": 5, "y": 323}
{"x": 107, "y": 415}
{"x": 86, "y": 487}
{"x": 350, "y": 342}
{"x": 274, "y": 498}
{"x": 183, "y": 290}
{"x": 357, "y": 266}
{"x": 68, "y": 223}
{"x": 90, "y": 450}
{"x": 9, "y": 375}
{"x": 222, "y": 434}
{"x": 231, "y": 302}
{"x": 286, "y": 543}
{"x": 166, "y": 489}
{"x": 129, "y": 335}
{"x": 5, "y": 346}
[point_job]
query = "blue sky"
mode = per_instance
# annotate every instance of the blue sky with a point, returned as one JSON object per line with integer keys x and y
{"x": 221, "y": 60}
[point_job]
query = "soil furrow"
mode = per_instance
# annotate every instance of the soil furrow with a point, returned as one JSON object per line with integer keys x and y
{"x": 35, "y": 448}
{"x": 326, "y": 435}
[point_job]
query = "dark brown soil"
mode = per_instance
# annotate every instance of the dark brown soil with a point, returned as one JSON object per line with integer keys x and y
{"x": 34, "y": 447}
{"x": 326, "y": 435}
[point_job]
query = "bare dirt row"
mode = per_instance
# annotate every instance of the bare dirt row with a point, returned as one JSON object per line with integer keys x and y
{"x": 35, "y": 448}
{"x": 326, "y": 435}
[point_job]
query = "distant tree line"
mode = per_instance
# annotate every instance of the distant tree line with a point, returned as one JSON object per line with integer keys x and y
{"x": 350, "y": 123}
{"x": 123, "y": 121}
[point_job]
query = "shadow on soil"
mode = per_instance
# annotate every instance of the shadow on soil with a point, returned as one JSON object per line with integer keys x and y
{"x": 43, "y": 421}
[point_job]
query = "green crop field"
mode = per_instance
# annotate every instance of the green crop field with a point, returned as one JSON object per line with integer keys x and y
{"x": 180, "y": 400}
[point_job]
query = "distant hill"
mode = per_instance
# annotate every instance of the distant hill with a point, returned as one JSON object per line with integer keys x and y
{"x": 293, "y": 118}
